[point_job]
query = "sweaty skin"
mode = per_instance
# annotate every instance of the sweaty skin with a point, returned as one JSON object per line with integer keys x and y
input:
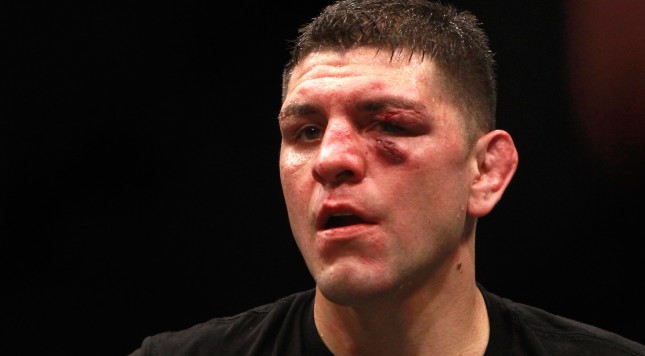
{"x": 383, "y": 193}
{"x": 366, "y": 136}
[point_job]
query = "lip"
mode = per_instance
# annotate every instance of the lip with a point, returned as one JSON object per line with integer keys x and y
{"x": 331, "y": 237}
{"x": 355, "y": 217}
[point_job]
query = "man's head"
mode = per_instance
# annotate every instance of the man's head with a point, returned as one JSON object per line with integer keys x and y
{"x": 388, "y": 156}
{"x": 452, "y": 39}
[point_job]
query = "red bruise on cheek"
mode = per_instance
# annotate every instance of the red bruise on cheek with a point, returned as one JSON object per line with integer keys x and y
{"x": 389, "y": 151}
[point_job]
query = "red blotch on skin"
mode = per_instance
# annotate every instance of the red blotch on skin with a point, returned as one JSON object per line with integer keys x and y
{"x": 389, "y": 151}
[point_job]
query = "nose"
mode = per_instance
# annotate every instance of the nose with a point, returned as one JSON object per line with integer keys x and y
{"x": 341, "y": 157}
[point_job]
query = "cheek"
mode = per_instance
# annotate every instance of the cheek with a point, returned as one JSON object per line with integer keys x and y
{"x": 295, "y": 177}
{"x": 429, "y": 181}
{"x": 292, "y": 166}
{"x": 291, "y": 160}
{"x": 390, "y": 151}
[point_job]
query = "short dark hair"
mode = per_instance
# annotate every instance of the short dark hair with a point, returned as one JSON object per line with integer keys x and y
{"x": 453, "y": 39}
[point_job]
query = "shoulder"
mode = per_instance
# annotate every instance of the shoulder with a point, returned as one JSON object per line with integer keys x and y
{"x": 231, "y": 334}
{"x": 530, "y": 330}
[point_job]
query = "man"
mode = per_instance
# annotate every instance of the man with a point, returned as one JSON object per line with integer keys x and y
{"x": 389, "y": 156}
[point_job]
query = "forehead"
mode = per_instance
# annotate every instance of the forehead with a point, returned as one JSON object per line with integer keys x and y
{"x": 339, "y": 78}
{"x": 364, "y": 67}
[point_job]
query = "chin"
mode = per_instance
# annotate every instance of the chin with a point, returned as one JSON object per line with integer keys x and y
{"x": 353, "y": 288}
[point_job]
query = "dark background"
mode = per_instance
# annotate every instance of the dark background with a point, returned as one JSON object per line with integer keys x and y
{"x": 139, "y": 177}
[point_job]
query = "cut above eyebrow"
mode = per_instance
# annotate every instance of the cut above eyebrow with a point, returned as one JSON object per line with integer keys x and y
{"x": 383, "y": 103}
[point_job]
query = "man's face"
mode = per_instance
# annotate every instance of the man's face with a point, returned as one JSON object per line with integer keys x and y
{"x": 375, "y": 171}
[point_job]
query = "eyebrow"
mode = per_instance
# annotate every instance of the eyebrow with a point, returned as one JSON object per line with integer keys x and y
{"x": 370, "y": 105}
{"x": 299, "y": 110}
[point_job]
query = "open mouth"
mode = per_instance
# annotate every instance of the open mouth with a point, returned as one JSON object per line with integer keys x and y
{"x": 341, "y": 220}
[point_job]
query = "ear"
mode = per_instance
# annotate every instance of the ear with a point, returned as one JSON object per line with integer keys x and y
{"x": 497, "y": 159}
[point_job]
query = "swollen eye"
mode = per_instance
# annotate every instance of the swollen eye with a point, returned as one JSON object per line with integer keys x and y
{"x": 390, "y": 127}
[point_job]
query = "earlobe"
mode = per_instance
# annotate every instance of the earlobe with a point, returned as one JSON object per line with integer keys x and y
{"x": 497, "y": 160}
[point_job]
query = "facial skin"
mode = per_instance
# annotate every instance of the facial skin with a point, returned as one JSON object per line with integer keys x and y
{"x": 376, "y": 173}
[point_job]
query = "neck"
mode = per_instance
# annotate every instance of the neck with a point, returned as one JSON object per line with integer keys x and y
{"x": 445, "y": 315}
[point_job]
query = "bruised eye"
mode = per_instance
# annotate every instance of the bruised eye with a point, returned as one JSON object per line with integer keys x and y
{"x": 390, "y": 127}
{"x": 309, "y": 133}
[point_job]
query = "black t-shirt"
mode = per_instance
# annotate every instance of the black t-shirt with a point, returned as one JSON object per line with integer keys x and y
{"x": 283, "y": 328}
{"x": 286, "y": 327}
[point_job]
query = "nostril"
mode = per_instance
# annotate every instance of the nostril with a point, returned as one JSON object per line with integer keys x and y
{"x": 324, "y": 175}
{"x": 344, "y": 175}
